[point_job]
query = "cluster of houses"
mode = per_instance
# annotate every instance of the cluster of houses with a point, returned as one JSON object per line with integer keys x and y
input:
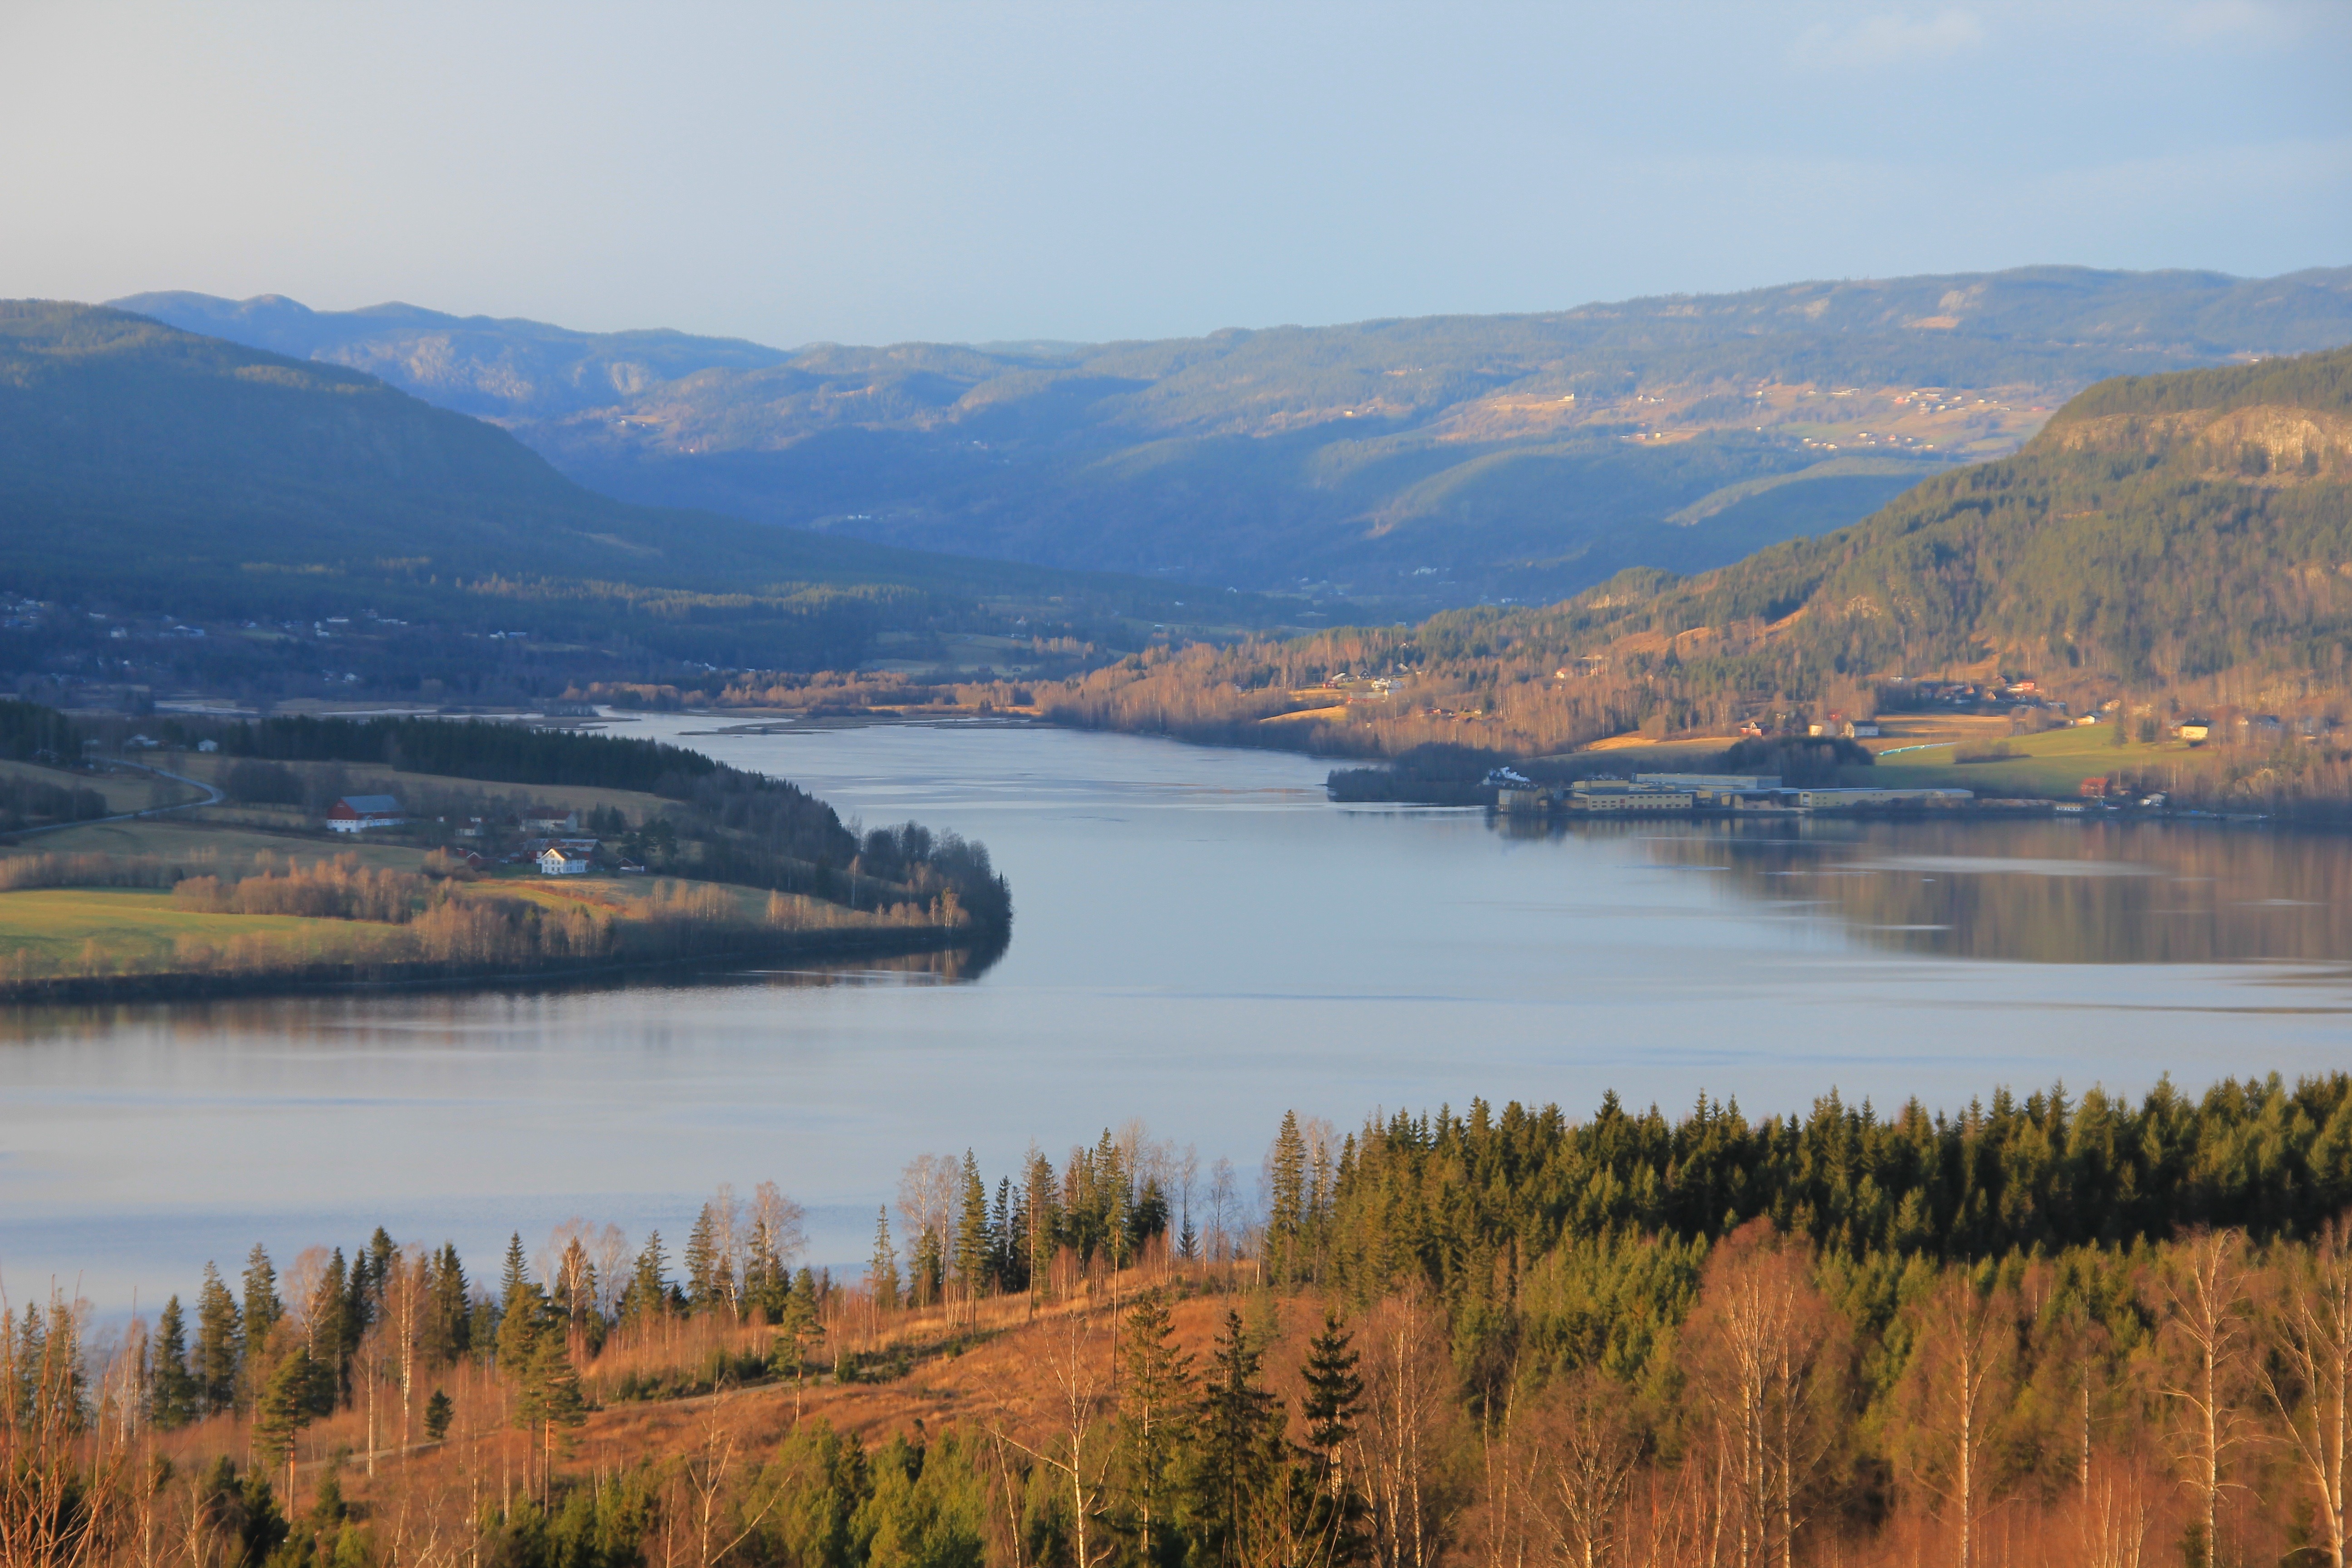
{"x": 555, "y": 844}
{"x": 1658, "y": 794}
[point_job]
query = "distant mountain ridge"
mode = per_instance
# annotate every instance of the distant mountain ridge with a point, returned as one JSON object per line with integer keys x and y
{"x": 1419, "y": 462}
{"x": 148, "y": 468}
{"x": 491, "y": 368}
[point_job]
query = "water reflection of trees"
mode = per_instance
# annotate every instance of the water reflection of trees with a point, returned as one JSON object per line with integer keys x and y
{"x": 2047, "y": 892}
{"x": 319, "y": 1012}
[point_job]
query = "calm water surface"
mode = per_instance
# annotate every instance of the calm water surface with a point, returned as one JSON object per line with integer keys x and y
{"x": 1202, "y": 940}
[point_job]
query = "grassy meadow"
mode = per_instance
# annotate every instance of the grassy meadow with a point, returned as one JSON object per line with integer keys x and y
{"x": 138, "y": 930}
{"x": 2052, "y": 764}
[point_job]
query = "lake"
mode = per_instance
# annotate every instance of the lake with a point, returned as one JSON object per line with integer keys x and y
{"x": 1202, "y": 941}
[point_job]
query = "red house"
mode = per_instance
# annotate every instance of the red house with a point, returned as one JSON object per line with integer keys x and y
{"x": 356, "y": 812}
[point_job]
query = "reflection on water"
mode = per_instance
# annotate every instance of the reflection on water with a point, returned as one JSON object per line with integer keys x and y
{"x": 344, "y": 1012}
{"x": 2035, "y": 891}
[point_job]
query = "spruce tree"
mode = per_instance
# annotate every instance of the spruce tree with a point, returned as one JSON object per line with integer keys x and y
{"x": 174, "y": 1392}
{"x": 648, "y": 1292}
{"x": 525, "y": 1316}
{"x": 283, "y": 1408}
{"x": 1042, "y": 1220}
{"x": 882, "y": 1269}
{"x": 1155, "y": 1420}
{"x": 453, "y": 1326}
{"x": 1004, "y": 1240}
{"x": 380, "y": 1248}
{"x": 219, "y": 1344}
{"x": 700, "y": 1260}
{"x": 515, "y": 1280}
{"x": 1332, "y": 1401}
{"x": 766, "y": 1284}
{"x": 438, "y": 1410}
{"x": 971, "y": 1238}
{"x": 1239, "y": 1459}
{"x": 329, "y": 1337}
{"x": 262, "y": 1311}
{"x": 554, "y": 1386}
{"x": 1286, "y": 1218}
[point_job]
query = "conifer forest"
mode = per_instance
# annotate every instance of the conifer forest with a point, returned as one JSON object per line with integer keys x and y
{"x": 2049, "y": 1329}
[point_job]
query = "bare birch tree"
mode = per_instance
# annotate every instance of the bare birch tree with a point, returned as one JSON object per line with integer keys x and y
{"x": 1759, "y": 1333}
{"x": 2202, "y": 1296}
{"x": 1399, "y": 1442}
{"x": 2308, "y": 1379}
{"x": 1961, "y": 1382}
{"x": 1071, "y": 1423}
{"x": 1588, "y": 1456}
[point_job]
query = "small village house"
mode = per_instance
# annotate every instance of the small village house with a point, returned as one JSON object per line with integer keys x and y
{"x": 557, "y": 861}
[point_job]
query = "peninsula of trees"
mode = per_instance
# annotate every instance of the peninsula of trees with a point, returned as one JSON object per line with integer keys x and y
{"x": 684, "y": 860}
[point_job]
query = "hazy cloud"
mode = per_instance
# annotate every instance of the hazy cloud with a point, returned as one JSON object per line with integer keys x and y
{"x": 2263, "y": 23}
{"x": 1888, "y": 38}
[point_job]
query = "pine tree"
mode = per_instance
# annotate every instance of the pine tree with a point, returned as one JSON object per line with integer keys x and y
{"x": 1239, "y": 1457}
{"x": 174, "y": 1392}
{"x": 438, "y": 1410}
{"x": 1154, "y": 1425}
{"x": 219, "y": 1344}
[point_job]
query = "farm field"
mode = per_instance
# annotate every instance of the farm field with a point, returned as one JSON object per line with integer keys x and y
{"x": 137, "y": 928}
{"x": 2055, "y": 763}
{"x": 123, "y": 792}
{"x": 191, "y": 839}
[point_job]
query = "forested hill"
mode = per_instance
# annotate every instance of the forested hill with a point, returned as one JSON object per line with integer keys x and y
{"x": 2185, "y": 536}
{"x": 1423, "y": 462}
{"x": 146, "y": 468}
{"x": 2163, "y": 531}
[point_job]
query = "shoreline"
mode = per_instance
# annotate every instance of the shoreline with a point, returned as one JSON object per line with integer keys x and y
{"x": 174, "y": 985}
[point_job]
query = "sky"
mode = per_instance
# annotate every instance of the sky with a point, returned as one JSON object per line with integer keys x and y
{"x": 884, "y": 172}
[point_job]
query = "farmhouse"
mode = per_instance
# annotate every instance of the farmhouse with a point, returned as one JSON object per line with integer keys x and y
{"x": 557, "y": 861}
{"x": 357, "y": 813}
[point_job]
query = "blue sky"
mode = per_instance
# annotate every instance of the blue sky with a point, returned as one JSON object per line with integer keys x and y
{"x": 881, "y": 171}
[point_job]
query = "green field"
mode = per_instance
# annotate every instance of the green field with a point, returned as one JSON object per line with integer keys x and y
{"x": 142, "y": 929}
{"x": 2053, "y": 763}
